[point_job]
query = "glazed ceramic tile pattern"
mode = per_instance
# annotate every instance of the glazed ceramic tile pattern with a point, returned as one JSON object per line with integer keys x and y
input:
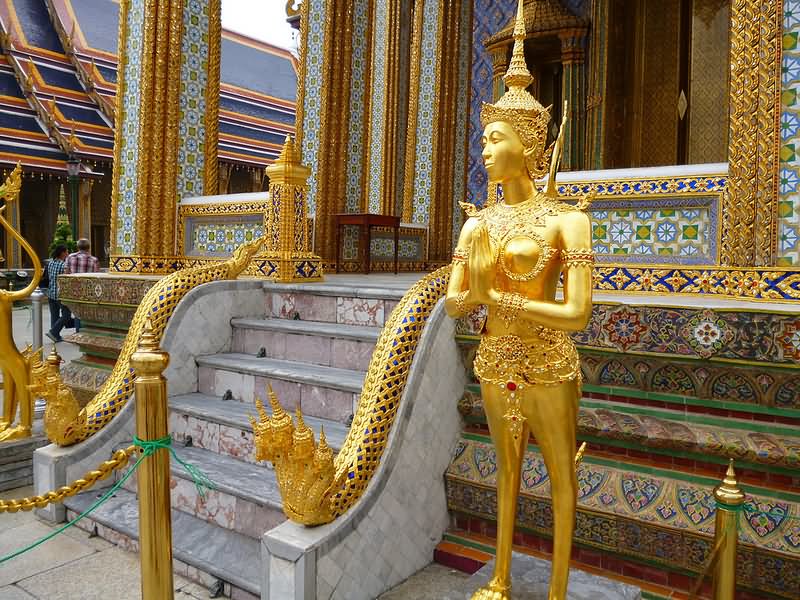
{"x": 789, "y": 201}
{"x": 462, "y": 123}
{"x": 358, "y": 71}
{"x": 312, "y": 95}
{"x": 128, "y": 154}
{"x": 489, "y": 17}
{"x": 412, "y": 244}
{"x": 194, "y": 75}
{"x": 681, "y": 231}
{"x": 661, "y": 516}
{"x": 426, "y": 109}
{"x": 664, "y": 432}
{"x": 221, "y": 237}
{"x": 380, "y": 49}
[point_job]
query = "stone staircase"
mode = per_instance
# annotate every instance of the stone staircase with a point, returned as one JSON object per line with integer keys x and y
{"x": 313, "y": 346}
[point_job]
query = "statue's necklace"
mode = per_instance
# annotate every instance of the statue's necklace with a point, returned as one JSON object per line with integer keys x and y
{"x": 508, "y": 221}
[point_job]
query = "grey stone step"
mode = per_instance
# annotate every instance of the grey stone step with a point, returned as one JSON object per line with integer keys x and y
{"x": 16, "y": 459}
{"x": 245, "y": 497}
{"x": 316, "y": 342}
{"x": 235, "y": 415}
{"x": 225, "y": 554}
{"x": 315, "y": 328}
{"x": 339, "y": 379}
{"x": 324, "y": 392}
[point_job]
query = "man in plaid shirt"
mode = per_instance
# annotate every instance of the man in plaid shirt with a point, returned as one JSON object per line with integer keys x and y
{"x": 59, "y": 314}
{"x": 81, "y": 262}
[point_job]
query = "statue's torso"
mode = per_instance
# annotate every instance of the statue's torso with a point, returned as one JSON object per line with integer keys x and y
{"x": 527, "y": 243}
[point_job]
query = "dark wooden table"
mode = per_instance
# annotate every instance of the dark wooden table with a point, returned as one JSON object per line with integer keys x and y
{"x": 365, "y": 223}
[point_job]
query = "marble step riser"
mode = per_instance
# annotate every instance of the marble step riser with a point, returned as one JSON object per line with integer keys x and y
{"x": 345, "y": 310}
{"x": 215, "y": 437}
{"x": 315, "y": 349}
{"x": 220, "y": 508}
{"x": 316, "y": 401}
{"x": 178, "y": 567}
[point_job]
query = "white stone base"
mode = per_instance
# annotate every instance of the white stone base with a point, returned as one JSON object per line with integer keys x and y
{"x": 392, "y": 531}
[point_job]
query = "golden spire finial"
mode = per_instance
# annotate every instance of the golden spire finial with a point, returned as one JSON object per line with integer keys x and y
{"x": 529, "y": 119}
{"x": 728, "y": 491}
{"x": 518, "y": 75}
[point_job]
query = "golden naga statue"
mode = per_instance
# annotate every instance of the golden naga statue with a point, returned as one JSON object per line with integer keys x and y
{"x": 16, "y": 365}
{"x": 65, "y": 422}
{"x": 509, "y": 257}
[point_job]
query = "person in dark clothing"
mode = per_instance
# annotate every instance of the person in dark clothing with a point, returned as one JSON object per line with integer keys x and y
{"x": 60, "y": 315}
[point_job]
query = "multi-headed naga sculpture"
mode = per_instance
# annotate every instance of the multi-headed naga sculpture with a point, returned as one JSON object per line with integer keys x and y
{"x": 65, "y": 423}
{"x": 16, "y": 365}
{"x": 316, "y": 487}
{"x": 510, "y": 257}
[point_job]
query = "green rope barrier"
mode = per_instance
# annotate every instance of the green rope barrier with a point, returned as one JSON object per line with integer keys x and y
{"x": 200, "y": 479}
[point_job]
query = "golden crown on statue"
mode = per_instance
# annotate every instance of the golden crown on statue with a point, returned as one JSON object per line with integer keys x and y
{"x": 304, "y": 469}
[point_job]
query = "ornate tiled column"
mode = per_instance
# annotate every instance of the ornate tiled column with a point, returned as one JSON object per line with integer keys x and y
{"x": 331, "y": 56}
{"x": 750, "y": 209}
{"x": 574, "y": 86}
{"x": 166, "y": 136}
{"x": 442, "y": 31}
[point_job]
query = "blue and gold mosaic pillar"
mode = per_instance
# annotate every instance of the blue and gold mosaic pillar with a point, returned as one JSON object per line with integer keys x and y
{"x": 167, "y": 117}
{"x": 435, "y": 171}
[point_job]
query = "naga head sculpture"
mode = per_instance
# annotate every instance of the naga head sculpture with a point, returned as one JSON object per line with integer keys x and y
{"x": 517, "y": 121}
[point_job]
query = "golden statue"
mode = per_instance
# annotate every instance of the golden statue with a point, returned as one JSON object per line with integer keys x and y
{"x": 509, "y": 257}
{"x": 16, "y": 365}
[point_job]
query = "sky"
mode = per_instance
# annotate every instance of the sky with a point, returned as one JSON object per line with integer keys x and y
{"x": 263, "y": 20}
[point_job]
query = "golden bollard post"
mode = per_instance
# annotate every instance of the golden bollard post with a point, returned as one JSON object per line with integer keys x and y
{"x": 155, "y": 521}
{"x": 729, "y": 504}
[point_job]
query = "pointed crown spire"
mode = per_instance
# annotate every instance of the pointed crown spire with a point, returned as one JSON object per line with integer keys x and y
{"x": 518, "y": 107}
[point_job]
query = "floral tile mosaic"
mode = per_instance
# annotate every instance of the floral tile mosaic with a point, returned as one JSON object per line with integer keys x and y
{"x": 629, "y": 511}
{"x": 789, "y": 175}
{"x": 220, "y": 237}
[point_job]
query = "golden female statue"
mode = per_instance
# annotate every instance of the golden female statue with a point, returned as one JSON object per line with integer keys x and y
{"x": 16, "y": 365}
{"x": 509, "y": 257}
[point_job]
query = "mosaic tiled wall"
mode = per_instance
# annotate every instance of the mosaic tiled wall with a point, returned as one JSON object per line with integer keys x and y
{"x": 674, "y": 230}
{"x": 489, "y": 17}
{"x": 662, "y": 516}
{"x": 426, "y": 109}
{"x": 355, "y": 132}
{"x": 312, "y": 94}
{"x": 220, "y": 236}
{"x": 194, "y": 77}
{"x": 125, "y": 242}
{"x": 649, "y": 221}
{"x": 411, "y": 244}
{"x": 380, "y": 49}
{"x": 789, "y": 202}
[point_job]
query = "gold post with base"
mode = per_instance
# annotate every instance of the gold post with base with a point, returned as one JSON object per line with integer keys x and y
{"x": 729, "y": 499}
{"x": 155, "y": 524}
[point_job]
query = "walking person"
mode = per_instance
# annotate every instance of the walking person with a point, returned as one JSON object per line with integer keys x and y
{"x": 59, "y": 314}
{"x": 81, "y": 261}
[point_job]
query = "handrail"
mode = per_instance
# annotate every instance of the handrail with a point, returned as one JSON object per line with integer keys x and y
{"x": 722, "y": 561}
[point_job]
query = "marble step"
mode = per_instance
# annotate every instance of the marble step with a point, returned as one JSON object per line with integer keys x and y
{"x": 16, "y": 460}
{"x": 223, "y": 426}
{"x": 347, "y": 302}
{"x": 201, "y": 549}
{"x": 324, "y": 392}
{"x": 327, "y": 344}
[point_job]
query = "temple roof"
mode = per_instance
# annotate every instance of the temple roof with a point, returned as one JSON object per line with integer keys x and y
{"x": 62, "y": 56}
{"x": 542, "y": 18}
